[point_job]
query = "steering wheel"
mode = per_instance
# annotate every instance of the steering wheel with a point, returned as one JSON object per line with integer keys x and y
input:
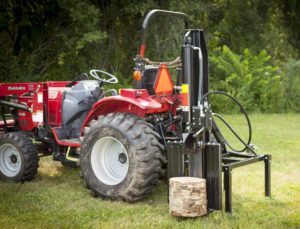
{"x": 111, "y": 80}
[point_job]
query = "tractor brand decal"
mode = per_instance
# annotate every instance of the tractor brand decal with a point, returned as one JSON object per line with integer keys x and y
{"x": 10, "y": 88}
{"x": 30, "y": 87}
{"x": 53, "y": 94}
{"x": 38, "y": 116}
{"x": 40, "y": 97}
{"x": 145, "y": 103}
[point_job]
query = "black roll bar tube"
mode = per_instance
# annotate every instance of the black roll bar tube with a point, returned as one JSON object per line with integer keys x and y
{"x": 158, "y": 12}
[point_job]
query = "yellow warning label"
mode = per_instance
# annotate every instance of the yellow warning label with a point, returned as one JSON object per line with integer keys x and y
{"x": 185, "y": 88}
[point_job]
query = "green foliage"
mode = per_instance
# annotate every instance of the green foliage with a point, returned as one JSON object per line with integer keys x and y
{"x": 243, "y": 23}
{"x": 70, "y": 43}
{"x": 290, "y": 18}
{"x": 291, "y": 85}
{"x": 249, "y": 78}
{"x": 78, "y": 40}
{"x": 57, "y": 40}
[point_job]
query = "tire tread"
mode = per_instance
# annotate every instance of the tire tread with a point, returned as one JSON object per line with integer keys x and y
{"x": 149, "y": 157}
{"x": 30, "y": 155}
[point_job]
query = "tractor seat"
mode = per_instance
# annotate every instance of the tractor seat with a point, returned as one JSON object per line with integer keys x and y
{"x": 76, "y": 104}
{"x": 148, "y": 79}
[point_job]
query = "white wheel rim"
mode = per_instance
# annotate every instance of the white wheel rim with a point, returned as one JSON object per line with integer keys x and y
{"x": 10, "y": 160}
{"x": 109, "y": 160}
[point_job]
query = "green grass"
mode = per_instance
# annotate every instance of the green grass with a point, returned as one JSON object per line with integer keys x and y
{"x": 56, "y": 198}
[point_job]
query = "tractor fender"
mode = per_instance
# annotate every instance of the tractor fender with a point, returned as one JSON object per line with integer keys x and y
{"x": 114, "y": 104}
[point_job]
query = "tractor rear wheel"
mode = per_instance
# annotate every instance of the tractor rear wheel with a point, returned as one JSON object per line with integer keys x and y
{"x": 18, "y": 157}
{"x": 121, "y": 157}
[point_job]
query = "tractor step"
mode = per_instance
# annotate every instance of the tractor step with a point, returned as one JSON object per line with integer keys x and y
{"x": 72, "y": 140}
{"x": 61, "y": 139}
{"x": 173, "y": 138}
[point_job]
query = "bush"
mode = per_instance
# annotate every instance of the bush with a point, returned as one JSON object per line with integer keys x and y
{"x": 291, "y": 85}
{"x": 250, "y": 79}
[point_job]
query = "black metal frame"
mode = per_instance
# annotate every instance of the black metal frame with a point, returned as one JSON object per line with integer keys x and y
{"x": 199, "y": 148}
{"x": 233, "y": 160}
{"x": 160, "y": 12}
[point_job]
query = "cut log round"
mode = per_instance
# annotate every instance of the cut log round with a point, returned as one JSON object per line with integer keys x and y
{"x": 187, "y": 196}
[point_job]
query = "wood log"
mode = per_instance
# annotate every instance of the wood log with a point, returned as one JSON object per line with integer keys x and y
{"x": 187, "y": 196}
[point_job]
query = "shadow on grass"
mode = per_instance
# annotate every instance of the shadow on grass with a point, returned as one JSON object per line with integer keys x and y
{"x": 49, "y": 169}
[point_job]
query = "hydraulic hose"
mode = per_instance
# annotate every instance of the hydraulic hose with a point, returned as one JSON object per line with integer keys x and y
{"x": 247, "y": 145}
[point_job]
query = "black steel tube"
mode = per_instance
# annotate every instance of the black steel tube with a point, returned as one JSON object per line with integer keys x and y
{"x": 243, "y": 155}
{"x": 229, "y": 160}
{"x": 267, "y": 159}
{"x": 228, "y": 189}
{"x": 244, "y": 162}
{"x": 15, "y": 105}
{"x": 187, "y": 74}
{"x": 160, "y": 12}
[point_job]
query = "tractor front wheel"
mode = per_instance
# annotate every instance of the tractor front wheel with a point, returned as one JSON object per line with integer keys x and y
{"x": 121, "y": 157}
{"x": 18, "y": 157}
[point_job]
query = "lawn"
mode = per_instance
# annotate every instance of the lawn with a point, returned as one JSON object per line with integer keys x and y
{"x": 56, "y": 198}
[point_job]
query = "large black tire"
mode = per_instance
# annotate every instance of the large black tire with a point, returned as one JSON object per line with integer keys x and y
{"x": 141, "y": 155}
{"x": 18, "y": 157}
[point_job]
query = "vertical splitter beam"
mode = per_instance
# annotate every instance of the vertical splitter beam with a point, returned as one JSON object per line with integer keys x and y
{"x": 194, "y": 85}
{"x": 175, "y": 158}
{"x": 200, "y": 66}
{"x": 214, "y": 176}
{"x": 187, "y": 73}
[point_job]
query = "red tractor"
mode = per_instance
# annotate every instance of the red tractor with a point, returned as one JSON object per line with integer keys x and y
{"x": 124, "y": 143}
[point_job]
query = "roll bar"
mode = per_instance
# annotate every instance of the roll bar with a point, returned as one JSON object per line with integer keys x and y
{"x": 158, "y": 12}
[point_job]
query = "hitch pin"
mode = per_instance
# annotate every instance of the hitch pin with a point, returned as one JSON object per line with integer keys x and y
{"x": 198, "y": 132}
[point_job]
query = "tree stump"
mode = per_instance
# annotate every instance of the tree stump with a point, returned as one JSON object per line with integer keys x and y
{"x": 187, "y": 196}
